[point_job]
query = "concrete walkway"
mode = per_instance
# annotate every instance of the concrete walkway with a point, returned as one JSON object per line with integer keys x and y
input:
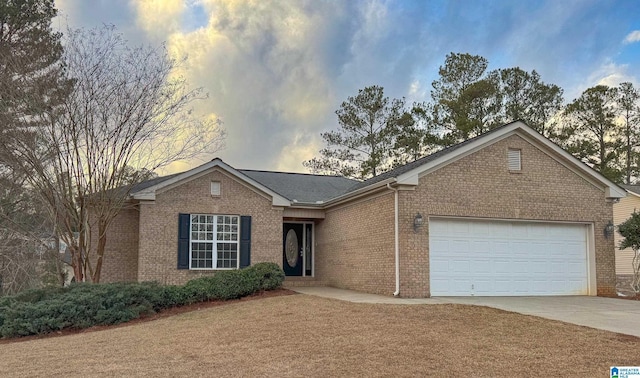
{"x": 610, "y": 314}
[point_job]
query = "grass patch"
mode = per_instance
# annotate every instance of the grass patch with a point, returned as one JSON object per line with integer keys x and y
{"x": 303, "y": 335}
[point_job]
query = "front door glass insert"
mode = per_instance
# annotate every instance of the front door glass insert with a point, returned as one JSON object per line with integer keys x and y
{"x": 291, "y": 248}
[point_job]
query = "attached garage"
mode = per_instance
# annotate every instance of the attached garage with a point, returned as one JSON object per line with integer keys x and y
{"x": 507, "y": 258}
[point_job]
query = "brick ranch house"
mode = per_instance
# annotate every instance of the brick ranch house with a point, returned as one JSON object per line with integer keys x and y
{"x": 505, "y": 213}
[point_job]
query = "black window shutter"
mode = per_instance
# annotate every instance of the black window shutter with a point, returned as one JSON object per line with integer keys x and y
{"x": 245, "y": 241}
{"x": 184, "y": 223}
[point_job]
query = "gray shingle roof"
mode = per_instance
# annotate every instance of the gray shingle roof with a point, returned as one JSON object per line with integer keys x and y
{"x": 302, "y": 187}
{"x": 149, "y": 183}
{"x": 308, "y": 188}
{"x": 632, "y": 188}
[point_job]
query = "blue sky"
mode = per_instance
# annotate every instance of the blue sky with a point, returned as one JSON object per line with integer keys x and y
{"x": 276, "y": 71}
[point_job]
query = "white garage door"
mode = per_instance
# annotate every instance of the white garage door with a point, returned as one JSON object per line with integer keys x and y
{"x": 503, "y": 258}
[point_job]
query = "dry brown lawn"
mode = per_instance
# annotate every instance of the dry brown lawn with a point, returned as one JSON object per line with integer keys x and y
{"x": 301, "y": 335}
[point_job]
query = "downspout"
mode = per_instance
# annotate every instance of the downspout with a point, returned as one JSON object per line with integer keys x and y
{"x": 396, "y": 240}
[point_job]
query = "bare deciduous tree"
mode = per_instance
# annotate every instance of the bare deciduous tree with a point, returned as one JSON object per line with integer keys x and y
{"x": 126, "y": 108}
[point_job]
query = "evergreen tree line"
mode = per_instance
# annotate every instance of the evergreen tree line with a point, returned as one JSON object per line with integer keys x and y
{"x": 601, "y": 127}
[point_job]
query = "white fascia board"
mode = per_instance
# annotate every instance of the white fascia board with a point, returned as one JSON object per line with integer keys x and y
{"x": 150, "y": 193}
{"x": 611, "y": 190}
{"x": 411, "y": 177}
{"x": 144, "y": 196}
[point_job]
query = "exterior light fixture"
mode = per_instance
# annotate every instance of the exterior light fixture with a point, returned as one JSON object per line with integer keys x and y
{"x": 418, "y": 221}
{"x": 608, "y": 230}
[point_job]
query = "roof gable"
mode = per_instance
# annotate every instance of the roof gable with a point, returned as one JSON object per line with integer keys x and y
{"x": 144, "y": 191}
{"x": 408, "y": 174}
{"x": 287, "y": 189}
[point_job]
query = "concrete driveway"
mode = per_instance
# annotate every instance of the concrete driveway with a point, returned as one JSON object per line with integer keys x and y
{"x": 610, "y": 314}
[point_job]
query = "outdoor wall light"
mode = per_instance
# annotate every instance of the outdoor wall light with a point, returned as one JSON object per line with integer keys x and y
{"x": 608, "y": 230}
{"x": 417, "y": 222}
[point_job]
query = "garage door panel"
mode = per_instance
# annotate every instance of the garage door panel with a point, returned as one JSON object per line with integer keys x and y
{"x": 518, "y": 247}
{"x": 439, "y": 266}
{"x": 539, "y": 267}
{"x": 459, "y": 228}
{"x": 478, "y": 230}
{"x": 575, "y": 269}
{"x": 439, "y": 228}
{"x": 575, "y": 285}
{"x": 481, "y": 267}
{"x": 439, "y": 244}
{"x": 521, "y": 286}
{"x": 458, "y": 245}
{"x": 498, "y": 247}
{"x": 520, "y": 266}
{"x": 507, "y": 258}
{"x": 557, "y": 267}
{"x": 484, "y": 285}
{"x": 502, "y": 266}
{"x": 519, "y": 231}
{"x": 460, "y": 266}
{"x": 481, "y": 247}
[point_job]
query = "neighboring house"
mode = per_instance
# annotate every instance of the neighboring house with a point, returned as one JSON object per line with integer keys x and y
{"x": 621, "y": 212}
{"x": 505, "y": 213}
{"x": 67, "y": 268}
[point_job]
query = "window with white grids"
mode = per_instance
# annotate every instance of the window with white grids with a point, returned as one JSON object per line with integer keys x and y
{"x": 214, "y": 241}
{"x": 514, "y": 160}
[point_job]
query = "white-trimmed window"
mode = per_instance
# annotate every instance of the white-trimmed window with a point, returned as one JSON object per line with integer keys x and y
{"x": 514, "y": 160}
{"x": 214, "y": 241}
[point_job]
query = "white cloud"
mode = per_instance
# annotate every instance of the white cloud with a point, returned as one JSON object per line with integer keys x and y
{"x": 276, "y": 70}
{"x": 158, "y": 18}
{"x": 632, "y": 37}
{"x": 266, "y": 75}
{"x": 609, "y": 74}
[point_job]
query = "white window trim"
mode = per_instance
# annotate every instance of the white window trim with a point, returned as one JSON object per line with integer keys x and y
{"x": 214, "y": 242}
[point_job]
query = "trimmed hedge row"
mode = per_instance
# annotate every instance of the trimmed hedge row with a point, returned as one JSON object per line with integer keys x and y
{"x": 85, "y": 305}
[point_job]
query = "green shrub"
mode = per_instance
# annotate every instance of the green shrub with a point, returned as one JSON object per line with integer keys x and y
{"x": 35, "y": 295}
{"x": 271, "y": 276}
{"x": 232, "y": 284}
{"x": 85, "y": 305}
{"x": 172, "y": 296}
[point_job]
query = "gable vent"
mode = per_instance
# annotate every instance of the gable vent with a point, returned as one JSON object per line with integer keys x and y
{"x": 215, "y": 188}
{"x": 514, "y": 160}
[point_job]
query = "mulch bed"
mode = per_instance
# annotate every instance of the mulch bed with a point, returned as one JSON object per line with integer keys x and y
{"x": 631, "y": 297}
{"x": 159, "y": 315}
